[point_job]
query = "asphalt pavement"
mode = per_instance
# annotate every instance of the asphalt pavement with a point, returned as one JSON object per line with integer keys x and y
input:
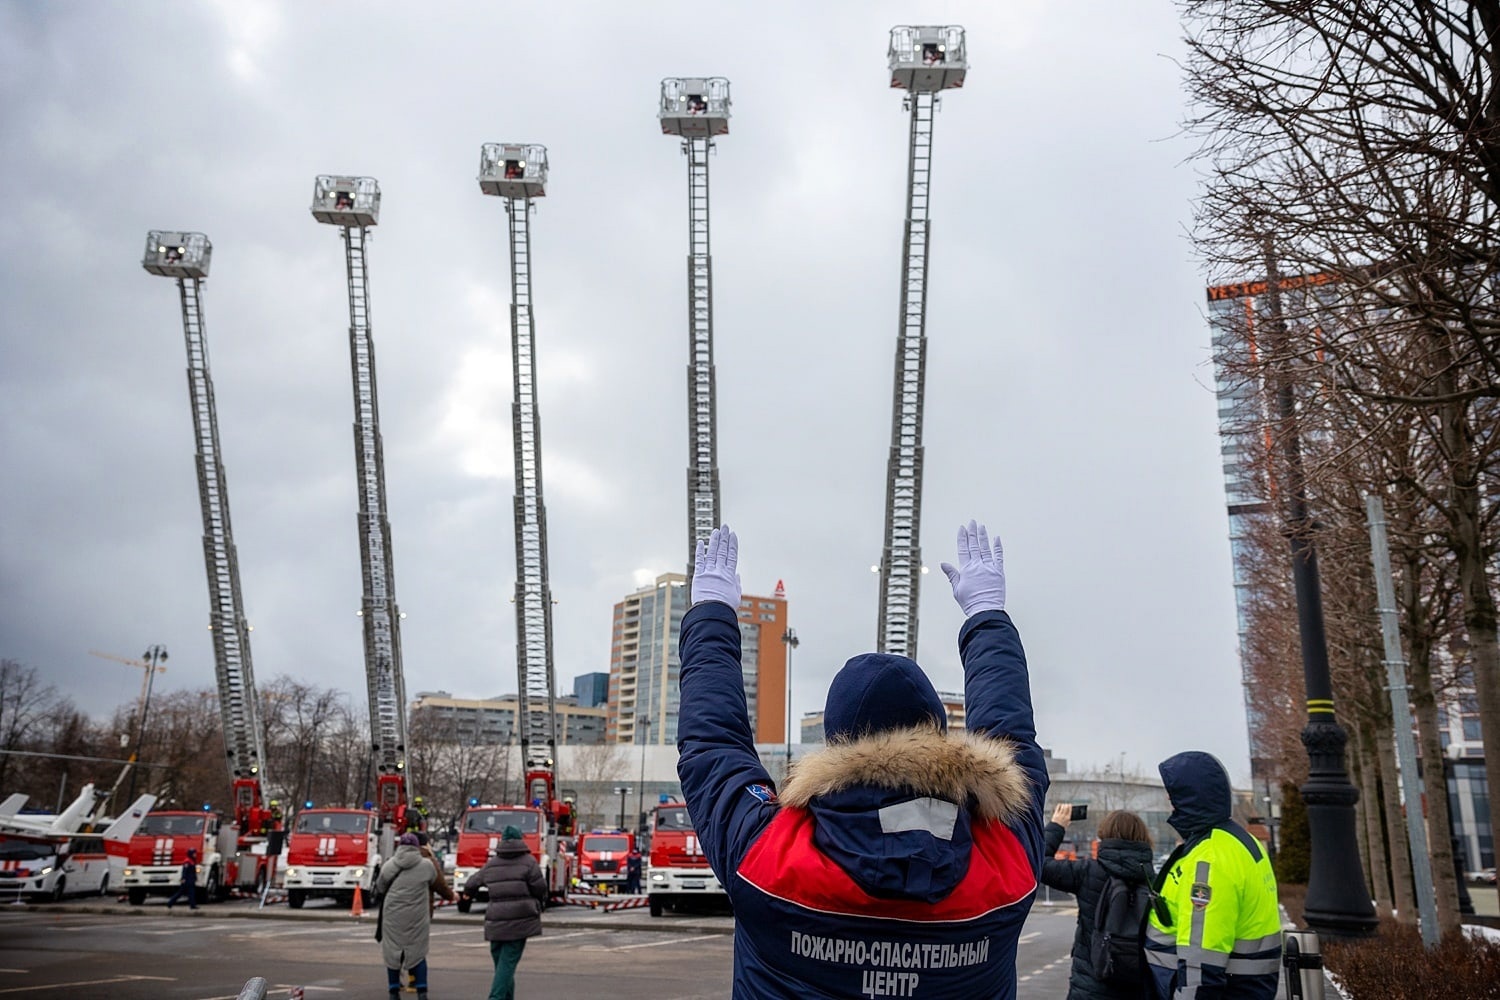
{"x": 102, "y": 948}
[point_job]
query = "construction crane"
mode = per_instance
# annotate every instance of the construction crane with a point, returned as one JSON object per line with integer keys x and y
{"x": 517, "y": 172}
{"x": 186, "y": 257}
{"x": 923, "y": 62}
{"x": 151, "y": 663}
{"x": 151, "y": 668}
{"x": 697, "y": 109}
{"x": 353, "y": 205}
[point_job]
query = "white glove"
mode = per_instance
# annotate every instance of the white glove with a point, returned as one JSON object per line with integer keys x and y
{"x": 714, "y": 576}
{"x": 979, "y": 579}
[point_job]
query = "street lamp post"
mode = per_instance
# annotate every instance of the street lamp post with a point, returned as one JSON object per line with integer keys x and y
{"x": 1338, "y": 903}
{"x": 622, "y": 791}
{"x": 155, "y": 655}
{"x": 789, "y": 637}
{"x": 640, "y": 792}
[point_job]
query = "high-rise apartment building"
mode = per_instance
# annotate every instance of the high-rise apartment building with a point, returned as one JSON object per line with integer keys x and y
{"x": 1234, "y": 313}
{"x": 644, "y": 669}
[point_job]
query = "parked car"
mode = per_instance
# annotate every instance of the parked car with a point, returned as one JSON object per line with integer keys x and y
{"x": 1485, "y": 875}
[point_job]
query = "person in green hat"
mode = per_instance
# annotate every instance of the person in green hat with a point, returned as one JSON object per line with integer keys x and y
{"x": 517, "y": 892}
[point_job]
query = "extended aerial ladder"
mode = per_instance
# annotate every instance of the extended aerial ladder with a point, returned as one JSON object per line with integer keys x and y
{"x": 697, "y": 109}
{"x": 517, "y": 172}
{"x": 353, "y": 204}
{"x": 923, "y": 61}
{"x": 186, "y": 257}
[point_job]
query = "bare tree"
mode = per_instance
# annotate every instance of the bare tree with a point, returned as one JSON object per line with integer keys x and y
{"x": 1363, "y": 137}
{"x": 596, "y": 769}
{"x": 25, "y": 703}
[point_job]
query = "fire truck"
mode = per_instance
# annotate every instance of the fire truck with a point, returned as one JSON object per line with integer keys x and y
{"x": 677, "y": 868}
{"x": 544, "y": 825}
{"x": 232, "y": 851}
{"x": 226, "y": 859}
{"x": 334, "y": 853}
{"x": 601, "y": 856}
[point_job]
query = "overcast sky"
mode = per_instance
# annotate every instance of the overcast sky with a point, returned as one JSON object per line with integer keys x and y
{"x": 1068, "y": 386}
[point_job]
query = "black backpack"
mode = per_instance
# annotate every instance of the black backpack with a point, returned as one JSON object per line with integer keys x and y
{"x": 1116, "y": 953}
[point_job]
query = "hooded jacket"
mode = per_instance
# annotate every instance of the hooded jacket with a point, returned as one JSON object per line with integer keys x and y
{"x": 1125, "y": 859}
{"x": 517, "y": 890}
{"x": 1221, "y": 939}
{"x": 405, "y": 884}
{"x": 898, "y": 863}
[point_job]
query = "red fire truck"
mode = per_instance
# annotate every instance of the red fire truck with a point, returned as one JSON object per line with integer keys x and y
{"x": 334, "y": 853}
{"x": 479, "y": 831}
{"x": 678, "y": 869}
{"x": 601, "y": 856}
{"x": 226, "y": 860}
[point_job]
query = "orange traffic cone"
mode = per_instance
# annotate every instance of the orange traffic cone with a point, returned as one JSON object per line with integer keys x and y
{"x": 358, "y": 909}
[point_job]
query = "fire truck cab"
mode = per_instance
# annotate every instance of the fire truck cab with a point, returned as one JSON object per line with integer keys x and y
{"x": 677, "y": 869}
{"x": 334, "y": 853}
{"x": 479, "y": 832}
{"x": 601, "y": 856}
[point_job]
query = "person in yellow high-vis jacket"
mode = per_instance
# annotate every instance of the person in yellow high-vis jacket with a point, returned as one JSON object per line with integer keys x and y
{"x": 1215, "y": 932}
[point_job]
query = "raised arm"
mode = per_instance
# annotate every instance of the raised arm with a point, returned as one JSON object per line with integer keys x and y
{"x": 727, "y": 790}
{"x": 997, "y": 688}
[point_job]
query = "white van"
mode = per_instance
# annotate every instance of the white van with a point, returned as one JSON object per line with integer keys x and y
{"x": 53, "y": 867}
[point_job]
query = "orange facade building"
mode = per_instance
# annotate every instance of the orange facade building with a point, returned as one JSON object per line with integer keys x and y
{"x": 644, "y": 669}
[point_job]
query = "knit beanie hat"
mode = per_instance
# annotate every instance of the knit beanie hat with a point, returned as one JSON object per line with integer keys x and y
{"x": 409, "y": 840}
{"x": 878, "y": 692}
{"x": 510, "y": 833}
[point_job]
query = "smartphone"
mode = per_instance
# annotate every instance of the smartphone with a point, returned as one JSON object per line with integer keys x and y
{"x": 1080, "y": 810}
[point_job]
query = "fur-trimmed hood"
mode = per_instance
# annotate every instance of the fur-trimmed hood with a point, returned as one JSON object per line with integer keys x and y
{"x": 979, "y": 772}
{"x": 895, "y": 809}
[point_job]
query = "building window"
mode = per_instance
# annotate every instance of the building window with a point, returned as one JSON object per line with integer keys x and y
{"x": 767, "y": 618}
{"x": 768, "y": 605}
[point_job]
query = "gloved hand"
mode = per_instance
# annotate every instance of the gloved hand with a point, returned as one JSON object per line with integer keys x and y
{"x": 979, "y": 579}
{"x": 714, "y": 576}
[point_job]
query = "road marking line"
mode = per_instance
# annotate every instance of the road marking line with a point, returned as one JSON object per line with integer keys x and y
{"x": 90, "y": 982}
{"x": 323, "y": 989}
{"x": 558, "y": 937}
{"x": 658, "y": 944}
{"x": 16, "y": 971}
{"x": 300, "y": 930}
{"x": 1030, "y": 937}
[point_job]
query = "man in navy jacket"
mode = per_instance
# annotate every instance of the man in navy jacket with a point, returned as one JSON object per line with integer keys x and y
{"x": 902, "y": 859}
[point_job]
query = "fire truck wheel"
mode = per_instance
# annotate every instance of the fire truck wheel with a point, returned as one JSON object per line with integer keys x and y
{"x": 58, "y": 889}
{"x": 137, "y": 897}
{"x": 104, "y": 885}
{"x": 465, "y": 904}
{"x": 656, "y": 907}
{"x": 210, "y": 891}
{"x": 295, "y": 898}
{"x": 260, "y": 881}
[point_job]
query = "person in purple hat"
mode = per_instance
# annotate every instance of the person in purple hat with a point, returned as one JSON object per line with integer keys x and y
{"x": 406, "y": 884}
{"x": 900, "y": 860}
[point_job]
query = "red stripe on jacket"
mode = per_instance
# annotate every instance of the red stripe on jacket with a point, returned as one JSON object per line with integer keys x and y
{"x": 785, "y": 863}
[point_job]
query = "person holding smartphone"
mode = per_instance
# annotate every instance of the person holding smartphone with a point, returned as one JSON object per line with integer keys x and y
{"x": 1124, "y": 863}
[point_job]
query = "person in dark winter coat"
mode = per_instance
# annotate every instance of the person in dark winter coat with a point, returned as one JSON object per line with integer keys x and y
{"x": 633, "y": 865}
{"x": 189, "y": 886}
{"x": 406, "y": 884}
{"x": 1125, "y": 852}
{"x": 518, "y": 891}
{"x": 902, "y": 859}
